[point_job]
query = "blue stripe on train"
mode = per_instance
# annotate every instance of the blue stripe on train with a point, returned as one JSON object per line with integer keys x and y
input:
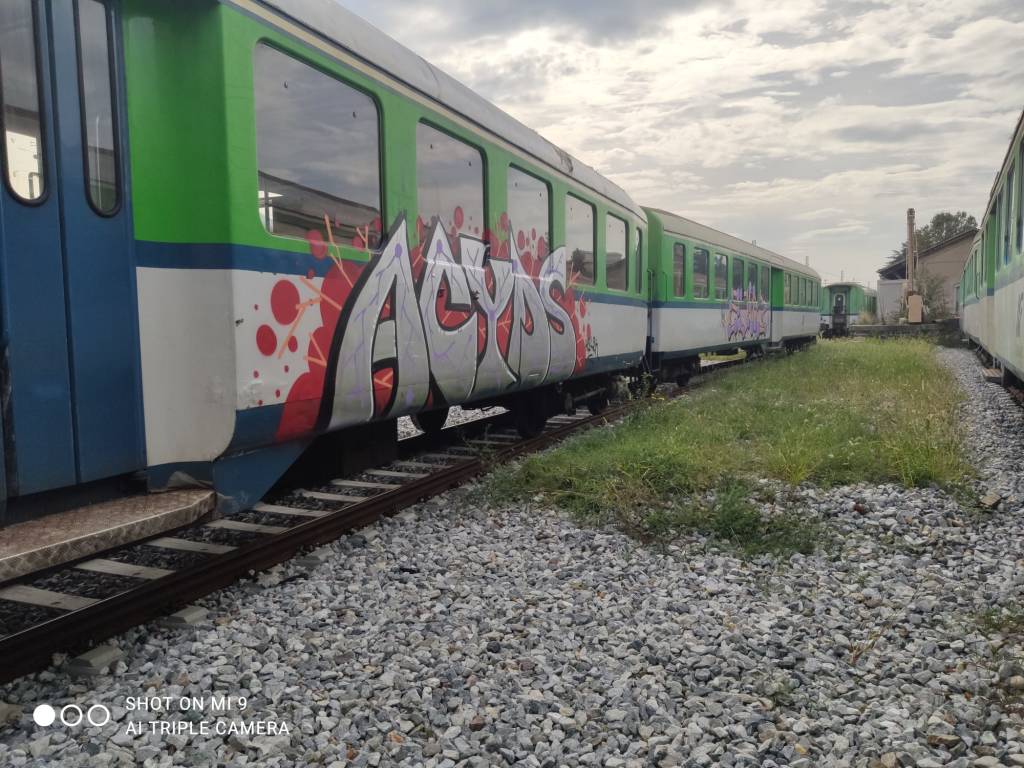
{"x": 254, "y": 259}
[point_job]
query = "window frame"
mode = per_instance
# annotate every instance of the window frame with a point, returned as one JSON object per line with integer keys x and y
{"x": 1020, "y": 198}
{"x": 638, "y": 254}
{"x": 302, "y": 56}
{"x": 1008, "y": 213}
{"x": 733, "y": 263}
{"x": 675, "y": 293}
{"x": 547, "y": 185}
{"x": 113, "y": 75}
{"x": 626, "y": 257}
{"x": 756, "y": 267}
{"x": 44, "y": 147}
{"x": 998, "y": 222}
{"x": 692, "y": 260}
{"x": 766, "y": 283}
{"x": 484, "y": 168}
{"x": 721, "y": 258}
{"x": 787, "y": 289}
{"x": 593, "y": 235}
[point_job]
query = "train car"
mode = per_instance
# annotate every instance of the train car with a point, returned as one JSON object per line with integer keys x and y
{"x": 846, "y": 304}
{"x": 713, "y": 292}
{"x": 229, "y": 227}
{"x": 992, "y": 284}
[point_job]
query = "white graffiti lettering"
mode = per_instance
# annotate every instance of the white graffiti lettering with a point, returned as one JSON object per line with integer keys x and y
{"x": 402, "y": 334}
{"x": 368, "y": 339}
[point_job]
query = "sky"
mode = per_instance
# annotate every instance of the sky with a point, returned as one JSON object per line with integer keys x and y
{"x": 809, "y": 126}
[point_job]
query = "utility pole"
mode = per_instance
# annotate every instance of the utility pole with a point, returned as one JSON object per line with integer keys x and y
{"x": 914, "y": 301}
{"x": 911, "y": 251}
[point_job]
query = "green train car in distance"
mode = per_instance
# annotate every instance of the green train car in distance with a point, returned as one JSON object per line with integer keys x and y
{"x": 846, "y": 304}
{"x": 714, "y": 292}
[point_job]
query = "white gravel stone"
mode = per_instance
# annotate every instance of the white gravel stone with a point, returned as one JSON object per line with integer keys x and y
{"x": 465, "y": 635}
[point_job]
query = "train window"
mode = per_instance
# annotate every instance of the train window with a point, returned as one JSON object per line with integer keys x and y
{"x": 616, "y": 260}
{"x": 639, "y": 256}
{"x": 449, "y": 182}
{"x": 19, "y": 86}
{"x": 997, "y": 224}
{"x": 679, "y": 270}
{"x": 787, "y": 289}
{"x": 766, "y": 280}
{"x": 529, "y": 211}
{"x": 701, "y": 259}
{"x": 721, "y": 276}
{"x": 803, "y": 290}
{"x": 1008, "y": 223}
{"x": 97, "y": 90}
{"x": 736, "y": 284}
{"x": 1020, "y": 199}
{"x": 318, "y": 147}
{"x": 579, "y": 239}
{"x": 751, "y": 286}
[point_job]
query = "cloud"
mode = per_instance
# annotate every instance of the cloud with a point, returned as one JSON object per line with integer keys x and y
{"x": 599, "y": 22}
{"x": 808, "y": 125}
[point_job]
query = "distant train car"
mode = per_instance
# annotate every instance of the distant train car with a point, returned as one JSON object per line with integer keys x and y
{"x": 992, "y": 284}
{"x": 847, "y": 304}
{"x": 230, "y": 227}
{"x": 715, "y": 292}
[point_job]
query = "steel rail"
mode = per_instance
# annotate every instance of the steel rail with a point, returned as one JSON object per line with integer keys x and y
{"x": 32, "y": 649}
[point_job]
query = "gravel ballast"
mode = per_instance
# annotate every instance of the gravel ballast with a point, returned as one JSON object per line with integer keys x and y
{"x": 458, "y": 634}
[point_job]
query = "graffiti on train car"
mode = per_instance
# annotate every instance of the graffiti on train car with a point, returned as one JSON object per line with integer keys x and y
{"x": 450, "y": 319}
{"x": 746, "y": 318}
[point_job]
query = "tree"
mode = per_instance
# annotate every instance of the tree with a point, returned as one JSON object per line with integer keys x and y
{"x": 943, "y": 226}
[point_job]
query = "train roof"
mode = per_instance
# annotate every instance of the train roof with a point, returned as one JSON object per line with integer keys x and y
{"x": 678, "y": 225}
{"x": 329, "y": 19}
{"x": 850, "y": 284}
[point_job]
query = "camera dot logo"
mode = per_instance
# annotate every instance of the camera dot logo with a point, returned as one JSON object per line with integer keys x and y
{"x": 71, "y": 715}
{"x": 44, "y": 715}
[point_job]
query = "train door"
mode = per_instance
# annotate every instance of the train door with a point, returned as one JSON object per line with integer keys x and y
{"x": 71, "y": 390}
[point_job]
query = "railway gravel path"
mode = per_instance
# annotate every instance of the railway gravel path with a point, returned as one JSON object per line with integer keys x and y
{"x": 456, "y": 634}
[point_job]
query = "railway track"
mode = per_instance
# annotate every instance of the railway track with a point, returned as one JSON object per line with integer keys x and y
{"x": 78, "y": 604}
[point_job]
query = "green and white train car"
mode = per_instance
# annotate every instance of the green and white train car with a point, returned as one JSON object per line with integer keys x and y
{"x": 992, "y": 284}
{"x": 712, "y": 292}
{"x": 846, "y": 304}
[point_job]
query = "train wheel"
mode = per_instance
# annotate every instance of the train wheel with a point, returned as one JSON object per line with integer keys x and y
{"x": 430, "y": 421}
{"x": 530, "y": 419}
{"x": 597, "y": 404}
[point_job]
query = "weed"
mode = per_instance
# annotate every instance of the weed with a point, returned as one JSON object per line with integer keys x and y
{"x": 1007, "y": 620}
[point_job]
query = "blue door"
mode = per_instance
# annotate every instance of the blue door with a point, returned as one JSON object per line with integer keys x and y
{"x": 69, "y": 369}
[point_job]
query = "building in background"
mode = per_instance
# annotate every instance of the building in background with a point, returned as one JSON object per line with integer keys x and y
{"x": 938, "y": 273}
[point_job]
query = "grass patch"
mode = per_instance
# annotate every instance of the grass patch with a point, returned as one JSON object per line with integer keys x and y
{"x": 731, "y": 517}
{"x": 1007, "y": 621}
{"x": 842, "y": 412}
